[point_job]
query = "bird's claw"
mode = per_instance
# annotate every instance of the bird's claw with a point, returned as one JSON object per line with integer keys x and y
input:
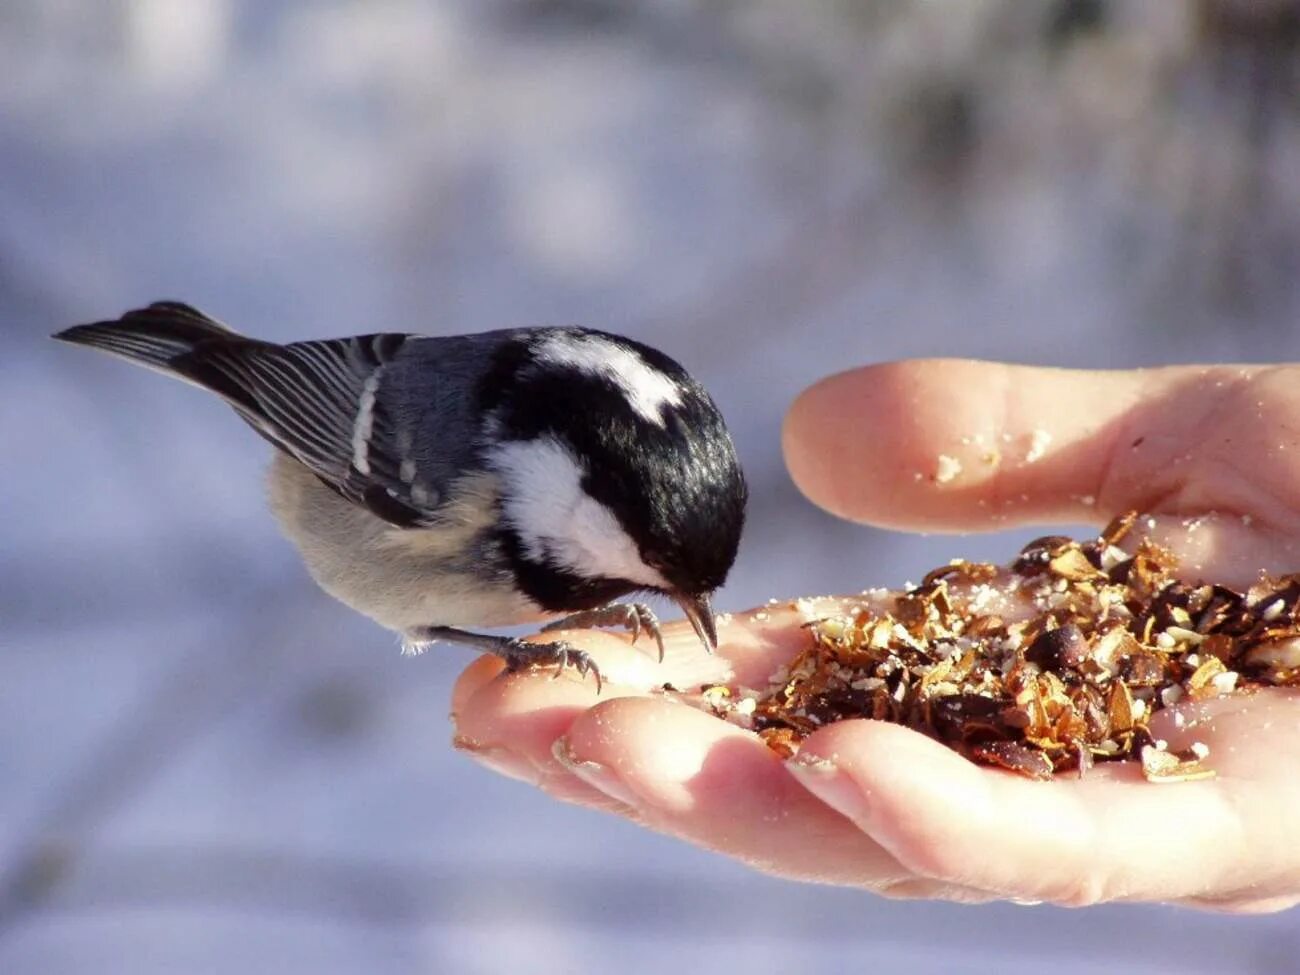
{"x": 637, "y": 617}
{"x": 648, "y": 621}
{"x": 521, "y": 654}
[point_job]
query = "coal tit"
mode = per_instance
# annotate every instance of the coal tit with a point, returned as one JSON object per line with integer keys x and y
{"x": 506, "y": 477}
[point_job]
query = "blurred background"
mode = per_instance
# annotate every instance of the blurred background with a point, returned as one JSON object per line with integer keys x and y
{"x": 208, "y": 766}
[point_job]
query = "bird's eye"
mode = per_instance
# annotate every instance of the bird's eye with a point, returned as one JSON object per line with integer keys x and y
{"x": 654, "y": 561}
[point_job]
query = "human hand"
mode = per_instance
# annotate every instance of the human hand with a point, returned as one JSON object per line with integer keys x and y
{"x": 1211, "y": 453}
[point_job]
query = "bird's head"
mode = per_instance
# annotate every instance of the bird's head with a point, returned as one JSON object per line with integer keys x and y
{"x": 617, "y": 474}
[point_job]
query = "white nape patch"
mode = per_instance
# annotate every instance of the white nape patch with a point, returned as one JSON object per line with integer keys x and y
{"x": 647, "y": 389}
{"x": 544, "y": 501}
{"x": 364, "y": 423}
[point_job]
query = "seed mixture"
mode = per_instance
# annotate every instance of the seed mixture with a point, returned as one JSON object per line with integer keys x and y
{"x": 1048, "y": 665}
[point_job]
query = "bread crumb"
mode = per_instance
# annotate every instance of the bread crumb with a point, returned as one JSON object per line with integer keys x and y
{"x": 946, "y": 469}
{"x": 1038, "y": 443}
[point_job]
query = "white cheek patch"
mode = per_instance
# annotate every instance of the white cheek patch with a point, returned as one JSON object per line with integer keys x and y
{"x": 647, "y": 389}
{"x": 544, "y": 501}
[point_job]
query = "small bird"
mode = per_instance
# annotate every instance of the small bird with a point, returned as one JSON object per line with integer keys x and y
{"x": 484, "y": 480}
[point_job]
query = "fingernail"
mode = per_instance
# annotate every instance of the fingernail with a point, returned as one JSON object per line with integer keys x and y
{"x": 498, "y": 759}
{"x": 829, "y": 783}
{"x": 598, "y": 776}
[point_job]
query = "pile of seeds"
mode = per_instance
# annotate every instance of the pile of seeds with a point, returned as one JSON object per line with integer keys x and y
{"x": 1046, "y": 666}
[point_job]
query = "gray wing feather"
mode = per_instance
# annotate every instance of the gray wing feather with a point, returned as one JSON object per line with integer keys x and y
{"x": 389, "y": 421}
{"x": 325, "y": 404}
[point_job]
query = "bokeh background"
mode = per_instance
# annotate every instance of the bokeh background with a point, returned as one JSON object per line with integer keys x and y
{"x": 206, "y": 766}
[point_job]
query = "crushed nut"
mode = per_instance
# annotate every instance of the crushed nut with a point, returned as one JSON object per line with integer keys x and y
{"x": 1049, "y": 665}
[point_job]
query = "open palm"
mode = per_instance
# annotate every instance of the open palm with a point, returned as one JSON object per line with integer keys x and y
{"x": 1212, "y": 453}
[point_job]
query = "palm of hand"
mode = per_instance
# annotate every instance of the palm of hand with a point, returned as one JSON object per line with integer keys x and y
{"x": 1211, "y": 453}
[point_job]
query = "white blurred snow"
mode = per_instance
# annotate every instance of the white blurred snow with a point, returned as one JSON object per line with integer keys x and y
{"x": 205, "y": 764}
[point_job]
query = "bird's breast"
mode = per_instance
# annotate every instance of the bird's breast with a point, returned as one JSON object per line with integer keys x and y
{"x": 447, "y": 575}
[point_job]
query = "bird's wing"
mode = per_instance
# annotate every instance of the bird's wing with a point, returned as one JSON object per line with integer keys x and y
{"x": 320, "y": 402}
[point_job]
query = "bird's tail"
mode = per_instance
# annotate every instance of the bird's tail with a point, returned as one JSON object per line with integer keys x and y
{"x": 152, "y": 336}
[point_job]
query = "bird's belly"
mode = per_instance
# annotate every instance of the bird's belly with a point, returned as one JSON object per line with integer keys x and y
{"x": 401, "y": 578}
{"x": 401, "y": 599}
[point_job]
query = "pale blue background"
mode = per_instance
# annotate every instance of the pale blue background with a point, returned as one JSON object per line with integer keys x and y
{"x": 206, "y": 766}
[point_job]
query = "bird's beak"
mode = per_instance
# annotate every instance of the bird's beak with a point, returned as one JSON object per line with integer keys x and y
{"x": 699, "y": 611}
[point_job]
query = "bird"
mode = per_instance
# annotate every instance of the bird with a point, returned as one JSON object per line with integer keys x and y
{"x": 442, "y": 485}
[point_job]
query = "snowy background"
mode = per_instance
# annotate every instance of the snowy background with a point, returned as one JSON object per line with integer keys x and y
{"x": 207, "y": 766}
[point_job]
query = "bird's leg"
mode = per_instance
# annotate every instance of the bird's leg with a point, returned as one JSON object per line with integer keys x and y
{"x": 516, "y": 653}
{"x": 635, "y": 616}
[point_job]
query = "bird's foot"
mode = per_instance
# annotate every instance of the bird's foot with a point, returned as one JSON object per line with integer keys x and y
{"x": 635, "y": 616}
{"x": 521, "y": 653}
{"x": 517, "y": 654}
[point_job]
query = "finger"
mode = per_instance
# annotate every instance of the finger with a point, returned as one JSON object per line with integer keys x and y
{"x": 962, "y": 445}
{"x": 758, "y": 642}
{"x": 1243, "y": 905}
{"x": 472, "y": 679}
{"x": 1229, "y": 549}
{"x": 937, "y": 444}
{"x": 618, "y": 658}
{"x": 751, "y": 645}
{"x": 931, "y": 890}
{"x": 493, "y": 710}
{"x": 510, "y": 722}
{"x": 1075, "y": 842}
{"x": 525, "y": 712}
{"x": 716, "y": 785}
{"x": 636, "y": 664}
{"x": 514, "y": 722}
{"x": 1257, "y": 729}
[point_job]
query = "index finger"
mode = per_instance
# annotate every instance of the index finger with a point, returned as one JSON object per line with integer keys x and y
{"x": 963, "y": 445}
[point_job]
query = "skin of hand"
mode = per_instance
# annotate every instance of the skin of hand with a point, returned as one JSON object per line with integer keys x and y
{"x": 1212, "y": 453}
